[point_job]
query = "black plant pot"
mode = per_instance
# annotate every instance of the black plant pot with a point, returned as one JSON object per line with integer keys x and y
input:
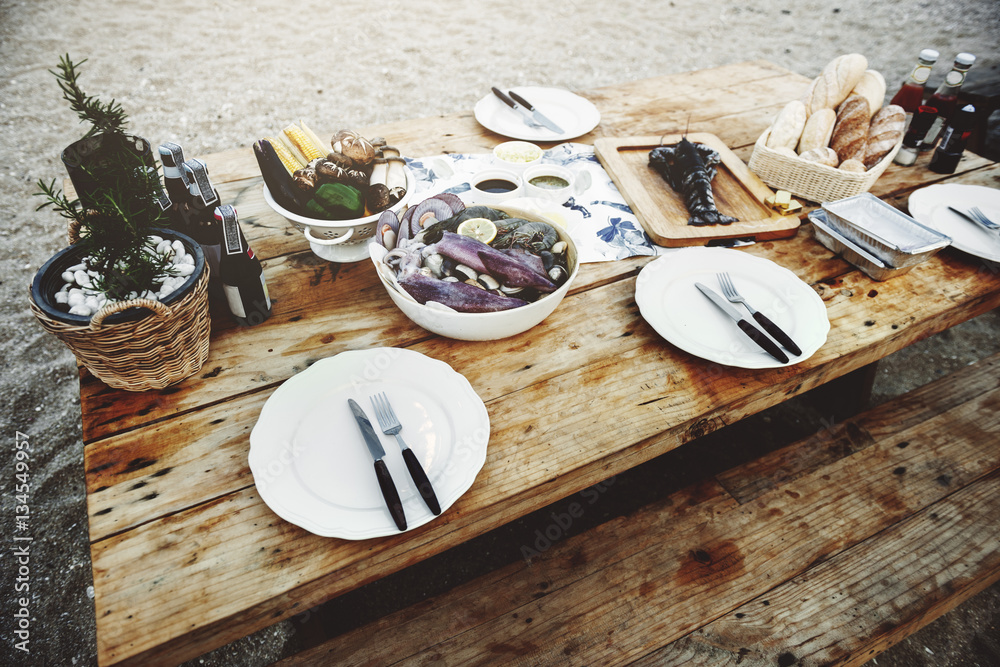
{"x": 49, "y": 280}
{"x": 99, "y": 162}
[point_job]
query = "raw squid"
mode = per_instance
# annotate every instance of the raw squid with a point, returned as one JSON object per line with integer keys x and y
{"x": 689, "y": 169}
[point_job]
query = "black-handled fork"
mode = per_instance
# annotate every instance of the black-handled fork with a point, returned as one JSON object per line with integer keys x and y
{"x": 729, "y": 291}
{"x": 390, "y": 425}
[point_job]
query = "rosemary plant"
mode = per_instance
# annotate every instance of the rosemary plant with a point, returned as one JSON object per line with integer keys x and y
{"x": 121, "y": 212}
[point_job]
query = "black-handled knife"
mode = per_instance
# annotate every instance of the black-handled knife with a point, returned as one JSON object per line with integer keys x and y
{"x": 385, "y": 482}
{"x": 419, "y": 478}
{"x": 776, "y": 333}
{"x": 755, "y": 334}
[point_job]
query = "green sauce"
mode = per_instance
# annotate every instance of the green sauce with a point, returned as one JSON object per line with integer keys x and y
{"x": 549, "y": 182}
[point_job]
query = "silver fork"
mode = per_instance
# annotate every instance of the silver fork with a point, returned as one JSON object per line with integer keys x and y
{"x": 390, "y": 425}
{"x": 981, "y": 218}
{"x": 730, "y": 292}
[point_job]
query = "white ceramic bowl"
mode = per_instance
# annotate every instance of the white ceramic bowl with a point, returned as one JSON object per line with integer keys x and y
{"x": 487, "y": 326}
{"x": 516, "y": 155}
{"x": 339, "y": 240}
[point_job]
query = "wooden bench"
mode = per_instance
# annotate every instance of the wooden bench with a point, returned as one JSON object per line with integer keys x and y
{"x": 827, "y": 551}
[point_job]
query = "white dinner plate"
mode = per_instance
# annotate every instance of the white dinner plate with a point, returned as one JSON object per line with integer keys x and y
{"x": 574, "y": 114}
{"x": 310, "y": 462}
{"x": 678, "y": 311}
{"x": 929, "y": 206}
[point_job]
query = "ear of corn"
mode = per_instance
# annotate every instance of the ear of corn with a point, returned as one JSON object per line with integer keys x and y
{"x": 323, "y": 148}
{"x": 303, "y": 143}
{"x": 291, "y": 163}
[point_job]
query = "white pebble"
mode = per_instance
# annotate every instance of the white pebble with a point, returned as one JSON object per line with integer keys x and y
{"x": 75, "y": 298}
{"x": 81, "y": 310}
{"x": 178, "y": 247}
{"x": 156, "y": 240}
{"x": 91, "y": 302}
{"x": 164, "y": 248}
{"x": 82, "y": 279}
{"x": 179, "y": 259}
{"x": 188, "y": 259}
{"x": 62, "y": 297}
{"x": 69, "y": 276}
{"x": 184, "y": 269}
{"x": 78, "y": 267}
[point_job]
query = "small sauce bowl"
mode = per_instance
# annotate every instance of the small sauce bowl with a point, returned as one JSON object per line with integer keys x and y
{"x": 491, "y": 186}
{"x": 554, "y": 183}
{"x": 517, "y": 155}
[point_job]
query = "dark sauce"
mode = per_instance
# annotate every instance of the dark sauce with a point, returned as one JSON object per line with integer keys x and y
{"x": 496, "y": 185}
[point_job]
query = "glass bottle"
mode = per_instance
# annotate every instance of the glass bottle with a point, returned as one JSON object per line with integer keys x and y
{"x": 172, "y": 157}
{"x": 240, "y": 272}
{"x": 202, "y": 225}
{"x": 914, "y": 137}
{"x": 953, "y": 141}
{"x": 945, "y": 98}
{"x": 911, "y": 93}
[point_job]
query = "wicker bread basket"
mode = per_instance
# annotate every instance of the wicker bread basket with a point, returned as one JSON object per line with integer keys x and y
{"x": 812, "y": 180}
{"x": 127, "y": 348}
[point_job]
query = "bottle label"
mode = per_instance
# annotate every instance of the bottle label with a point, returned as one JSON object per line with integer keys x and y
{"x": 235, "y": 301}
{"x": 955, "y": 78}
{"x": 921, "y": 73}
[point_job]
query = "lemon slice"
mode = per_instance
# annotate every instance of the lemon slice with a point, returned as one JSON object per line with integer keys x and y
{"x": 481, "y": 229}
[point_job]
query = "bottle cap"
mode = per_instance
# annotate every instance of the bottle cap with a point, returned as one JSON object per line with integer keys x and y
{"x": 929, "y": 55}
{"x": 966, "y": 59}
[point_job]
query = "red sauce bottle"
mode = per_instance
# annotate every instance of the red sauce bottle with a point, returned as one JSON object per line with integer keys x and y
{"x": 945, "y": 98}
{"x": 911, "y": 94}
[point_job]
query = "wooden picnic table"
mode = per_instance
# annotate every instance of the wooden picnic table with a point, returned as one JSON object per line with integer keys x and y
{"x": 186, "y": 556}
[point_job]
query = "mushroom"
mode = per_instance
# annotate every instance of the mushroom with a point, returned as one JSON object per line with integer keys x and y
{"x": 306, "y": 179}
{"x": 354, "y": 146}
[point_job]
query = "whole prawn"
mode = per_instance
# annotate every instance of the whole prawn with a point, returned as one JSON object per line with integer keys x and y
{"x": 689, "y": 169}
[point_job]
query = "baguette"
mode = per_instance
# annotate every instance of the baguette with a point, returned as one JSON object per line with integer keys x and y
{"x": 818, "y": 130}
{"x": 872, "y": 88}
{"x": 835, "y": 83}
{"x": 885, "y": 131}
{"x": 850, "y": 132}
{"x": 824, "y": 155}
{"x": 787, "y": 126}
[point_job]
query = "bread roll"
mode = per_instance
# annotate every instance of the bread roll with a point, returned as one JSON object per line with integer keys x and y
{"x": 818, "y": 130}
{"x": 872, "y": 88}
{"x": 787, "y": 126}
{"x": 852, "y": 165}
{"x": 850, "y": 132}
{"x": 836, "y": 81}
{"x": 885, "y": 130}
{"x": 824, "y": 155}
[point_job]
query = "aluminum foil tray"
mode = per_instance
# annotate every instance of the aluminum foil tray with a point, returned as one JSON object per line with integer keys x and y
{"x": 871, "y": 265}
{"x": 889, "y": 234}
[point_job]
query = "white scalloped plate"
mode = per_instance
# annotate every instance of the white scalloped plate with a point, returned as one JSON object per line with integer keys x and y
{"x": 310, "y": 462}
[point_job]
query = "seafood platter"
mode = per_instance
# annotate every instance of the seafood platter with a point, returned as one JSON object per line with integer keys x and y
{"x": 689, "y": 189}
{"x": 335, "y": 196}
{"x": 473, "y": 272}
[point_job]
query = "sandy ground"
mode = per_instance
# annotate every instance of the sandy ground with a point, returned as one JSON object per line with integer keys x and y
{"x": 215, "y": 74}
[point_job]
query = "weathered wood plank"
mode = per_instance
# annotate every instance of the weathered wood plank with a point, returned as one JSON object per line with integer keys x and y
{"x": 849, "y": 609}
{"x": 625, "y": 587}
{"x": 784, "y": 465}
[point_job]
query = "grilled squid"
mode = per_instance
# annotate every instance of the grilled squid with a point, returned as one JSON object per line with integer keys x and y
{"x": 689, "y": 169}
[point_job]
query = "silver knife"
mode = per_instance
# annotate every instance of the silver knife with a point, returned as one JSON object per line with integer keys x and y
{"x": 535, "y": 113}
{"x": 381, "y": 470}
{"x": 752, "y": 332}
{"x": 531, "y": 118}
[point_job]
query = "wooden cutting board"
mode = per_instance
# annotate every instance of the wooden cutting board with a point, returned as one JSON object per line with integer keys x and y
{"x": 738, "y": 192}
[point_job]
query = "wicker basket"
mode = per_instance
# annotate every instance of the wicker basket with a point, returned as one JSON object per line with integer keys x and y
{"x": 811, "y": 180}
{"x": 127, "y": 347}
